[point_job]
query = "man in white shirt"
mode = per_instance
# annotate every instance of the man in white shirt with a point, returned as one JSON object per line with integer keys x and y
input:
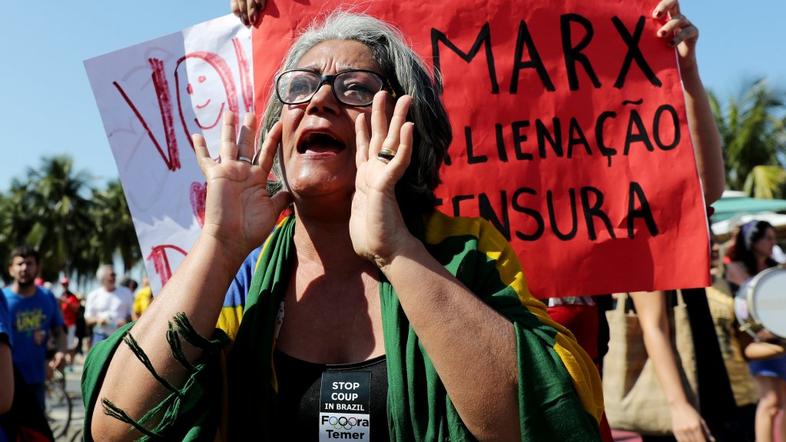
{"x": 109, "y": 306}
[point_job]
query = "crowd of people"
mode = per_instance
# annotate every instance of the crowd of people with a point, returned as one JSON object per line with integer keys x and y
{"x": 41, "y": 333}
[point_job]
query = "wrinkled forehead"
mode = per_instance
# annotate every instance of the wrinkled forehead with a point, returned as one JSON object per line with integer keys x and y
{"x": 338, "y": 55}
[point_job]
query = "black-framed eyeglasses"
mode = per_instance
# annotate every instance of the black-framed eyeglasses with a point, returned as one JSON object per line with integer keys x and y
{"x": 355, "y": 87}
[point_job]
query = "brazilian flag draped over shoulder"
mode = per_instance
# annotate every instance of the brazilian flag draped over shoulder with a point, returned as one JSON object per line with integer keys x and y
{"x": 559, "y": 392}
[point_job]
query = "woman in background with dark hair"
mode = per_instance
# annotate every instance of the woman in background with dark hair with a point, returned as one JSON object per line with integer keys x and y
{"x": 752, "y": 254}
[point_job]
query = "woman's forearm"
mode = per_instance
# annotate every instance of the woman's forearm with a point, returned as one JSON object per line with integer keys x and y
{"x": 660, "y": 352}
{"x": 197, "y": 289}
{"x": 705, "y": 135}
{"x": 758, "y": 351}
{"x": 651, "y": 308}
{"x": 466, "y": 340}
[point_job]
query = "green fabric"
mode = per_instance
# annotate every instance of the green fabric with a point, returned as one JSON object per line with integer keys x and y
{"x": 418, "y": 406}
{"x": 190, "y": 414}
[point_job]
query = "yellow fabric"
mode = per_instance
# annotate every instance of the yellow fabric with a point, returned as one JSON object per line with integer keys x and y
{"x": 229, "y": 320}
{"x": 142, "y": 300}
{"x": 579, "y": 365}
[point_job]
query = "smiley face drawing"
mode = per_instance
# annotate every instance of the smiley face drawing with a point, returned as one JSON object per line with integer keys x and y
{"x": 205, "y": 89}
{"x": 199, "y": 107}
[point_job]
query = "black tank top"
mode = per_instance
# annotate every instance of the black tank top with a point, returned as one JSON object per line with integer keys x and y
{"x": 330, "y": 401}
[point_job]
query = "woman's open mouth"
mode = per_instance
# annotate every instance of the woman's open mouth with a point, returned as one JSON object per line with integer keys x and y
{"x": 319, "y": 144}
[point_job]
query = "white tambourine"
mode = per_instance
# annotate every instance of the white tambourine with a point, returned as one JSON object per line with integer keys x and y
{"x": 764, "y": 299}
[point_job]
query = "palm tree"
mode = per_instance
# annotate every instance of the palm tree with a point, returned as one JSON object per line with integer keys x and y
{"x": 74, "y": 226}
{"x": 114, "y": 229}
{"x": 754, "y": 136}
{"x": 16, "y": 220}
{"x": 59, "y": 208}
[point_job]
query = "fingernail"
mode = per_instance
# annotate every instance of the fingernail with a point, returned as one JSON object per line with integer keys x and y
{"x": 661, "y": 33}
{"x": 657, "y": 13}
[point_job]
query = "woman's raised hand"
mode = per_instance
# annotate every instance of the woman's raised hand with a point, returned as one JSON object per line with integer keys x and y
{"x": 678, "y": 31}
{"x": 376, "y": 226}
{"x": 247, "y": 10}
{"x": 239, "y": 212}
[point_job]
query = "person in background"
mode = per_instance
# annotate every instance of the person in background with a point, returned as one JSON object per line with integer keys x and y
{"x": 69, "y": 307}
{"x": 732, "y": 344}
{"x": 719, "y": 416}
{"x": 142, "y": 299}
{"x": 82, "y": 331}
{"x": 35, "y": 314}
{"x": 129, "y": 283}
{"x": 6, "y": 364}
{"x": 582, "y": 314}
{"x": 21, "y": 417}
{"x": 687, "y": 424}
{"x": 109, "y": 306}
{"x": 751, "y": 254}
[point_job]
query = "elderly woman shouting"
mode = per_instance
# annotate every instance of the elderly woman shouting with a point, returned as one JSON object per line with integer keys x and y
{"x": 365, "y": 314}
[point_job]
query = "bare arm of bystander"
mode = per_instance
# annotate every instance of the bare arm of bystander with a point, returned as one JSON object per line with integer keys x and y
{"x": 651, "y": 308}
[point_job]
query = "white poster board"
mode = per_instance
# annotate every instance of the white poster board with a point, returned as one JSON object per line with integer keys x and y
{"x": 152, "y": 97}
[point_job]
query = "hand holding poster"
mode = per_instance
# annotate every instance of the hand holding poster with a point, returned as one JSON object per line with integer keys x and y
{"x": 569, "y": 132}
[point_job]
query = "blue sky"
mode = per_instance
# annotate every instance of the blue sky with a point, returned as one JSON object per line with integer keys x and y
{"x": 48, "y": 107}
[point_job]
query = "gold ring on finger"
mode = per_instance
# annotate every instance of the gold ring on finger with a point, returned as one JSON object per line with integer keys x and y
{"x": 386, "y": 154}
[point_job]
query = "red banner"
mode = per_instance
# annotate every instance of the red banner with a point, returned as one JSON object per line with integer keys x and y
{"x": 569, "y": 133}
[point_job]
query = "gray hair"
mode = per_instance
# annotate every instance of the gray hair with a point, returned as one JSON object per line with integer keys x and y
{"x": 407, "y": 74}
{"x": 104, "y": 271}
